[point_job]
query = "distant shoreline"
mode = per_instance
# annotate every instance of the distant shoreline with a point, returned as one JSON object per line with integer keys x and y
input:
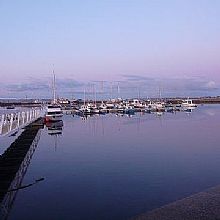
{"x": 175, "y": 100}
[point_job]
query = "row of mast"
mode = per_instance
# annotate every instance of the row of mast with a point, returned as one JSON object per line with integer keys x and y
{"x": 94, "y": 91}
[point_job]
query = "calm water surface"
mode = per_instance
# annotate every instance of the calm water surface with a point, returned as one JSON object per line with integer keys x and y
{"x": 110, "y": 168}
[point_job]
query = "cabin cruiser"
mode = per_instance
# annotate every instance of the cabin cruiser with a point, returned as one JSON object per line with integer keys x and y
{"x": 136, "y": 103}
{"x": 89, "y": 108}
{"x": 85, "y": 109}
{"x": 125, "y": 108}
{"x": 129, "y": 110}
{"x": 110, "y": 105}
{"x": 160, "y": 106}
{"x": 188, "y": 103}
{"x": 53, "y": 113}
{"x": 156, "y": 106}
{"x": 103, "y": 108}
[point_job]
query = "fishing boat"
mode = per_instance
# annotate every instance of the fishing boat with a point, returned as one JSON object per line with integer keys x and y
{"x": 54, "y": 111}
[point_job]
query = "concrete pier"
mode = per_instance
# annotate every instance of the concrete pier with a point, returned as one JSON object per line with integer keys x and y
{"x": 201, "y": 206}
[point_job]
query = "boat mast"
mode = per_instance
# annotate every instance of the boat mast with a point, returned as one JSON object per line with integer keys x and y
{"x": 111, "y": 90}
{"x": 84, "y": 97}
{"x": 118, "y": 88}
{"x": 54, "y": 89}
{"x": 159, "y": 93}
{"x": 95, "y": 95}
{"x": 102, "y": 90}
{"x": 139, "y": 93}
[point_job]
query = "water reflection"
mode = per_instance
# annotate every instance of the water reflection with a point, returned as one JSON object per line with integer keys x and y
{"x": 13, "y": 165}
{"x": 189, "y": 109}
{"x": 54, "y": 128}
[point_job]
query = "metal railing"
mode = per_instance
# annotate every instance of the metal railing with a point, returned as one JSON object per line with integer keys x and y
{"x": 13, "y": 121}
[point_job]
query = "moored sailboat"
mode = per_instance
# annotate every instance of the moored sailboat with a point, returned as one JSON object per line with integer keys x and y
{"x": 54, "y": 111}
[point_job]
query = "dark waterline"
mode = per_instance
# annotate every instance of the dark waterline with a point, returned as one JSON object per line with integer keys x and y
{"x": 110, "y": 167}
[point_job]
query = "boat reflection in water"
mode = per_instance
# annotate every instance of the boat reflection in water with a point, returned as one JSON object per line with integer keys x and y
{"x": 54, "y": 128}
{"x": 189, "y": 109}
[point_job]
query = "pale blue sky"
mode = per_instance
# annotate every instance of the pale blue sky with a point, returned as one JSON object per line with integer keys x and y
{"x": 108, "y": 40}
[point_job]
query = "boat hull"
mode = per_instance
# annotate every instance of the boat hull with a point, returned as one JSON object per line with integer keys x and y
{"x": 53, "y": 117}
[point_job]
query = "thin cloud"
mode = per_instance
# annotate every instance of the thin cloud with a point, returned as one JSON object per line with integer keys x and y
{"x": 68, "y": 83}
{"x": 211, "y": 85}
{"x": 130, "y": 86}
{"x": 130, "y": 77}
{"x": 26, "y": 87}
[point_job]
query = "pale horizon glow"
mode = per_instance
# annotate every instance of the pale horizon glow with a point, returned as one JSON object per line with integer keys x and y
{"x": 141, "y": 44}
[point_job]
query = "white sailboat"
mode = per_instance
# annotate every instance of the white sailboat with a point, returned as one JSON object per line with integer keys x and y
{"x": 54, "y": 112}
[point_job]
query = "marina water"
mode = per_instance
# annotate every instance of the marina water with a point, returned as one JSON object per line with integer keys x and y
{"x": 116, "y": 167}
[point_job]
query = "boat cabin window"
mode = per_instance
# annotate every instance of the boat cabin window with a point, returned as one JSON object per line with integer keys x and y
{"x": 53, "y": 113}
{"x": 53, "y": 106}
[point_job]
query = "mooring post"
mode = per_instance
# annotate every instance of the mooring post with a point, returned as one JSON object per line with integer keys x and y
{"x": 18, "y": 119}
{"x": 30, "y": 115}
{"x": 27, "y": 113}
{"x": 2, "y": 123}
{"x": 22, "y": 115}
{"x": 11, "y": 121}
